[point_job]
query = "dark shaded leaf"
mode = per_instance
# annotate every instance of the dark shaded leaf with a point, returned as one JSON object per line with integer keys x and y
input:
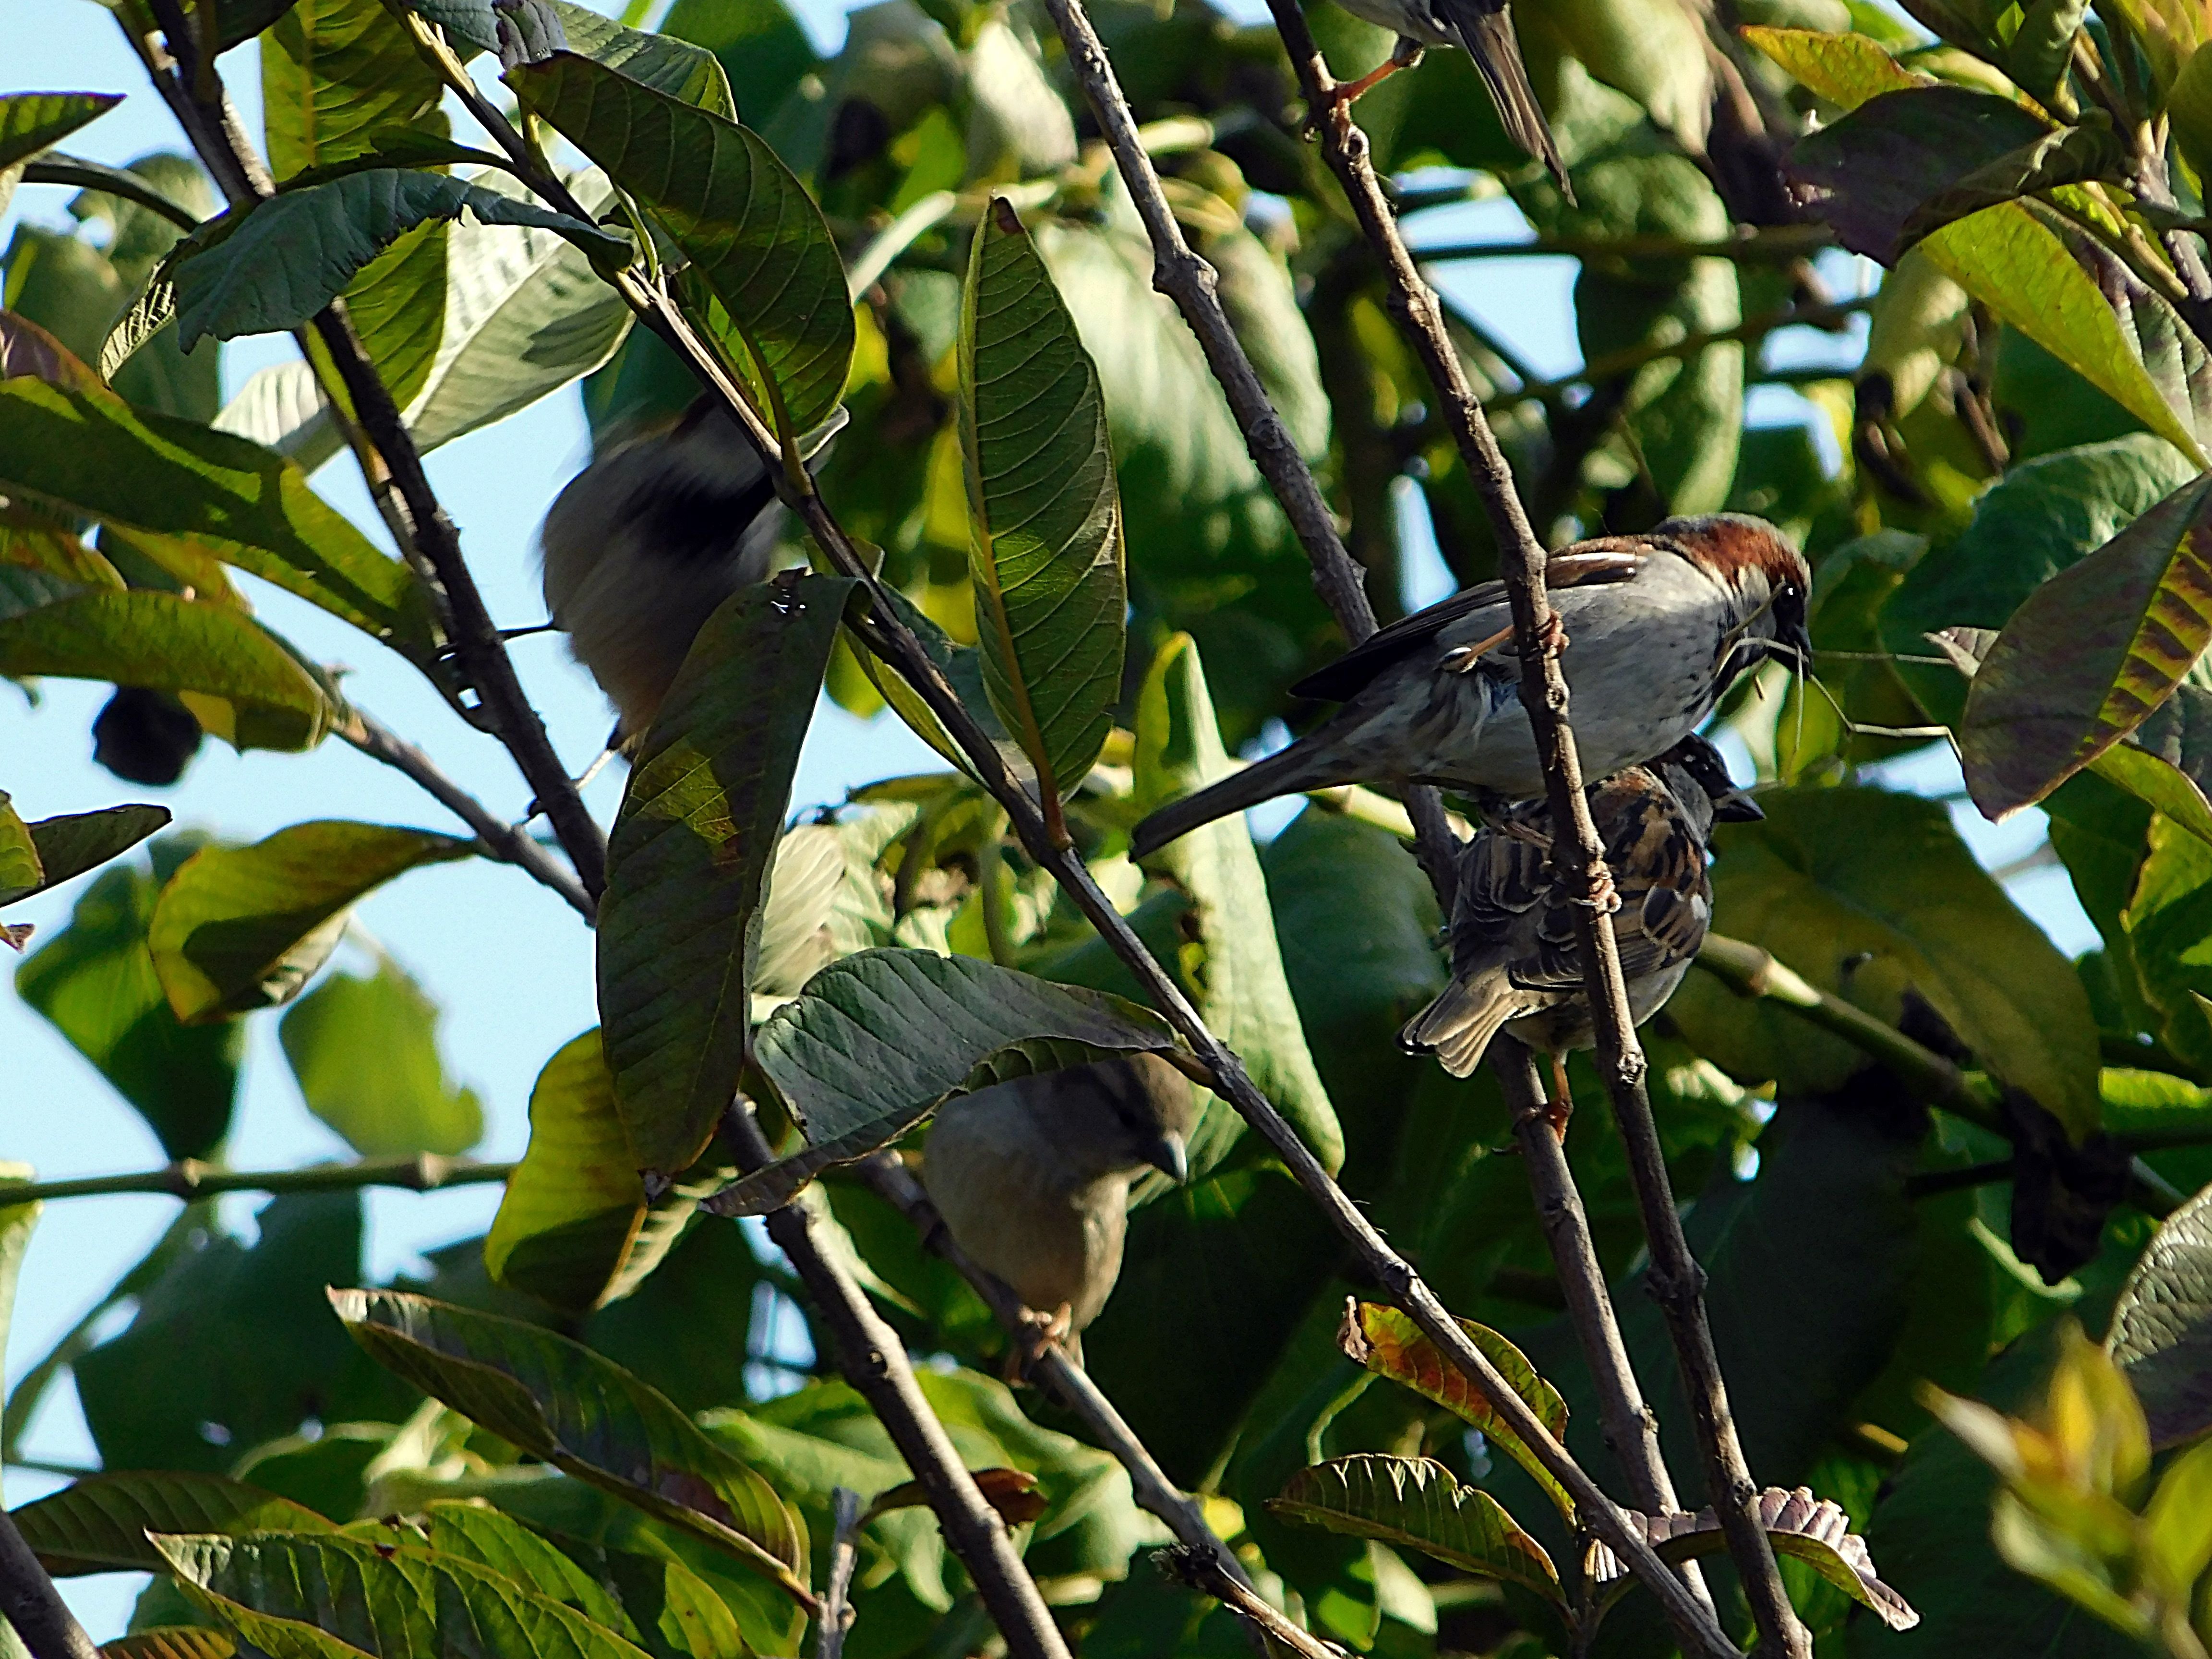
{"x": 365, "y": 1053}
{"x": 94, "y": 979}
{"x": 1416, "y": 1501}
{"x": 2162, "y": 1333}
{"x": 558, "y": 1401}
{"x": 667, "y": 63}
{"x": 75, "y": 842}
{"x": 690, "y": 858}
{"x": 245, "y": 927}
{"x": 2092, "y": 653}
{"x": 99, "y": 1524}
{"x": 270, "y": 267}
{"x": 1045, "y": 520}
{"x": 754, "y": 235}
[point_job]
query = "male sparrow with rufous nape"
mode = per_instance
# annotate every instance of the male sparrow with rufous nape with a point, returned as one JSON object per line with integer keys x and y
{"x": 1515, "y": 964}
{"x": 1032, "y": 1177}
{"x": 1657, "y": 626}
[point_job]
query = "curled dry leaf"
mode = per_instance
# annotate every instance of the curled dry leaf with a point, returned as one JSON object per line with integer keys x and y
{"x": 1012, "y": 1492}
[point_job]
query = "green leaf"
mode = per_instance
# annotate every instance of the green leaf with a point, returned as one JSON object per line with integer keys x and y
{"x": 760, "y": 44}
{"x": 667, "y": 64}
{"x": 1416, "y": 1502}
{"x": 2091, "y": 654}
{"x": 2162, "y": 1333}
{"x": 881, "y": 1038}
{"x": 334, "y": 74}
{"x": 2177, "y": 1520}
{"x": 573, "y": 1228}
{"x": 558, "y": 1401}
{"x": 282, "y": 407}
{"x": 1390, "y": 1344}
{"x": 272, "y": 267}
{"x": 378, "y": 1598}
{"x": 239, "y": 21}
{"x": 365, "y": 1052}
{"x": 99, "y": 1524}
{"x": 244, "y": 928}
{"x": 16, "y": 1222}
{"x": 96, "y": 982}
{"x": 1241, "y": 988}
{"x": 67, "y": 846}
{"x": 1657, "y": 58}
{"x": 690, "y": 857}
{"x": 1045, "y": 520}
{"x": 242, "y": 1343}
{"x": 22, "y": 873}
{"x": 172, "y": 1642}
{"x": 262, "y": 697}
{"x": 472, "y": 1532}
{"x": 33, "y": 121}
{"x": 525, "y": 314}
{"x": 1904, "y": 162}
{"x": 754, "y": 235}
{"x": 244, "y": 504}
{"x": 2162, "y": 918}
{"x": 1867, "y": 893}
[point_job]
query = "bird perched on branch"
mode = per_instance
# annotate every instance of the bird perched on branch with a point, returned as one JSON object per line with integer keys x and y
{"x": 1483, "y": 29}
{"x": 1515, "y": 963}
{"x": 1033, "y": 1178}
{"x": 1657, "y": 626}
{"x": 645, "y": 542}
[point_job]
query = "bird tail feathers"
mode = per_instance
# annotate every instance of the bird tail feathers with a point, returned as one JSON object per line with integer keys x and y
{"x": 1304, "y": 765}
{"x": 1457, "y": 1026}
{"x": 1487, "y": 34}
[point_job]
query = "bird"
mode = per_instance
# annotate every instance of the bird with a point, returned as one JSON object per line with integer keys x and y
{"x": 1658, "y": 625}
{"x": 1484, "y": 30}
{"x": 1032, "y": 1177}
{"x": 1515, "y": 964}
{"x": 643, "y": 546}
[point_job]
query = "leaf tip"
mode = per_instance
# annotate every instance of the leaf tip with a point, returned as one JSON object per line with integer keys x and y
{"x": 1003, "y": 214}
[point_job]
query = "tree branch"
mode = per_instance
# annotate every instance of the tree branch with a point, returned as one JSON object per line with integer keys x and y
{"x": 1202, "y": 1572}
{"x": 423, "y": 1172}
{"x": 1067, "y": 1382}
{"x": 1630, "y": 1426}
{"x": 29, "y": 1601}
{"x": 844, "y": 1555}
{"x": 503, "y": 706}
{"x": 874, "y": 1361}
{"x": 1775, "y": 245}
{"x": 508, "y": 843}
{"x": 1577, "y": 856}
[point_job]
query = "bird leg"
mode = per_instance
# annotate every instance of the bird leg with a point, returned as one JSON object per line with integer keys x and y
{"x": 1561, "y": 1106}
{"x": 1404, "y": 55}
{"x": 1039, "y": 1332}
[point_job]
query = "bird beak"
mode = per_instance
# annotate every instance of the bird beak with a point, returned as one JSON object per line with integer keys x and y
{"x": 1737, "y": 807}
{"x": 1167, "y": 1155}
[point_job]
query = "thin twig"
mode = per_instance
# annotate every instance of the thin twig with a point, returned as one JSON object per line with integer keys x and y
{"x": 29, "y": 1601}
{"x": 837, "y": 1616}
{"x": 1675, "y": 1278}
{"x": 55, "y": 169}
{"x": 1614, "y": 364}
{"x": 1190, "y": 281}
{"x": 1202, "y": 1572}
{"x": 190, "y": 1179}
{"x": 885, "y": 633}
{"x": 1630, "y": 1426}
{"x": 505, "y": 841}
{"x": 1777, "y": 245}
{"x": 874, "y": 1361}
{"x": 503, "y": 708}
{"x": 1068, "y": 1383}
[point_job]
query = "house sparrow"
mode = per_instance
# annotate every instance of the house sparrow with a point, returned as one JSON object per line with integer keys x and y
{"x": 645, "y": 542}
{"x": 1032, "y": 1177}
{"x": 1483, "y": 29}
{"x": 1514, "y": 960}
{"x": 1658, "y": 626}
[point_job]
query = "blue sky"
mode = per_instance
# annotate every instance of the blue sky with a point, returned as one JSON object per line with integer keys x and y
{"x": 509, "y": 963}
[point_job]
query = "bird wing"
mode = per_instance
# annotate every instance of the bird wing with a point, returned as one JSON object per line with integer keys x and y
{"x": 1658, "y": 865}
{"x": 1612, "y": 559}
{"x": 1504, "y": 875}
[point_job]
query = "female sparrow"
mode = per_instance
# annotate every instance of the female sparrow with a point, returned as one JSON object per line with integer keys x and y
{"x": 1514, "y": 960}
{"x": 645, "y": 542}
{"x": 1032, "y": 1176}
{"x": 1658, "y": 626}
{"x": 1483, "y": 29}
